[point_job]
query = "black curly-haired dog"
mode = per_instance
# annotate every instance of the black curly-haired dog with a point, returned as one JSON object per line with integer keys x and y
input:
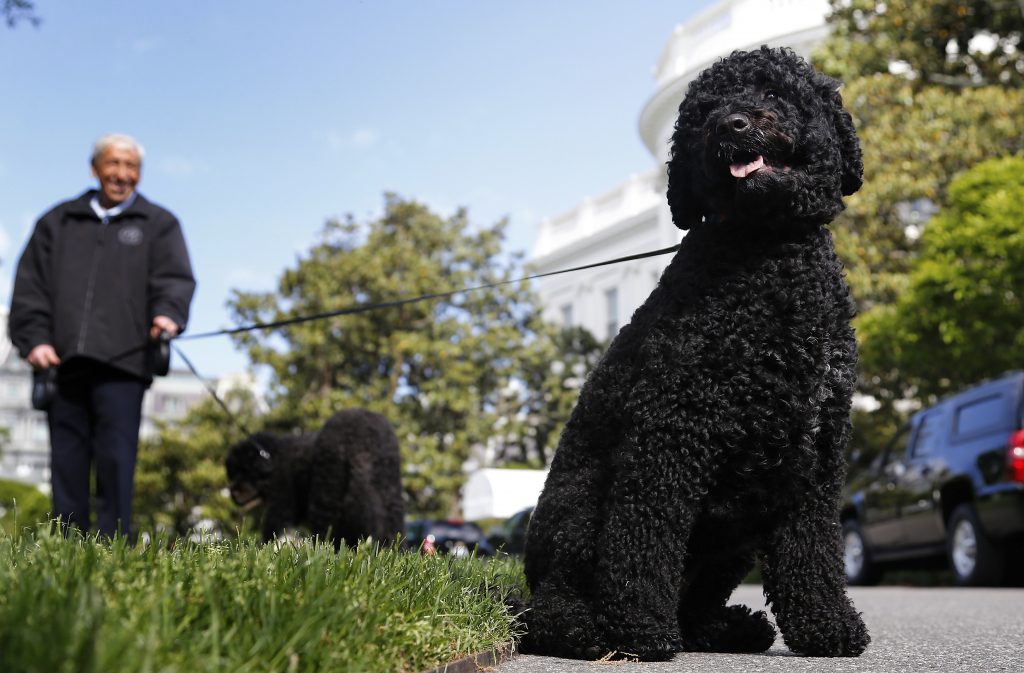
{"x": 343, "y": 481}
{"x": 713, "y": 429}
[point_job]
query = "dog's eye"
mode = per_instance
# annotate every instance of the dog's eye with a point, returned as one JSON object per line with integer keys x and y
{"x": 770, "y": 94}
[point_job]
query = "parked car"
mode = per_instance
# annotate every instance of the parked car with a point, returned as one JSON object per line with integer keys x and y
{"x": 459, "y": 538}
{"x": 510, "y": 536}
{"x": 950, "y": 484}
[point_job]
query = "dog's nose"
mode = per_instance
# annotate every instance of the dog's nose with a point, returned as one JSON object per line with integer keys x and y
{"x": 736, "y": 123}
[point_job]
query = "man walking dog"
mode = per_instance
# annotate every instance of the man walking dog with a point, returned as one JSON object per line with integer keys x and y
{"x": 102, "y": 274}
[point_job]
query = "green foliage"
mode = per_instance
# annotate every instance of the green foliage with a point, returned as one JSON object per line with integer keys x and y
{"x": 917, "y": 133}
{"x": 449, "y": 373}
{"x": 21, "y": 506}
{"x": 915, "y": 140}
{"x": 83, "y": 606}
{"x": 531, "y": 414}
{"x": 180, "y": 479}
{"x": 939, "y": 111}
{"x": 960, "y": 319}
{"x": 952, "y": 42}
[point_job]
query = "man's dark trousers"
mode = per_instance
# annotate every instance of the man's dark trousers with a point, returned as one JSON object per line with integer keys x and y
{"x": 94, "y": 420}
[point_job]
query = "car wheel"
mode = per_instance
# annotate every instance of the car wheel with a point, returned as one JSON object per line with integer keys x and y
{"x": 973, "y": 557}
{"x": 860, "y": 569}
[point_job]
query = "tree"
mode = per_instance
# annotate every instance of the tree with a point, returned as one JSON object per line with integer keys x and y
{"x": 15, "y": 11}
{"x": 533, "y": 410}
{"x": 934, "y": 88}
{"x": 948, "y": 42}
{"x": 180, "y": 479}
{"x": 915, "y": 139}
{"x": 439, "y": 370}
{"x": 961, "y": 318}
{"x": 21, "y": 506}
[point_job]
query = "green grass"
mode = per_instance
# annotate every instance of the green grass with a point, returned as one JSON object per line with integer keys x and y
{"x": 21, "y": 505}
{"x": 81, "y": 605}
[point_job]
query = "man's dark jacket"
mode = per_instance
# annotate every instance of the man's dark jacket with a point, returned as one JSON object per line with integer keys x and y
{"x": 91, "y": 289}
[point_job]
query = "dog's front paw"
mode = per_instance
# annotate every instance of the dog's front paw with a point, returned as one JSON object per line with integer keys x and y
{"x": 834, "y": 635}
{"x": 660, "y": 650}
{"x": 647, "y": 647}
{"x": 728, "y": 629}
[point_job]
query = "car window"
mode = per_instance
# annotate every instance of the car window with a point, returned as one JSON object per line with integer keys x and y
{"x": 467, "y": 532}
{"x": 978, "y": 416}
{"x": 519, "y": 519}
{"x": 414, "y": 531}
{"x": 927, "y": 438}
{"x": 895, "y": 452}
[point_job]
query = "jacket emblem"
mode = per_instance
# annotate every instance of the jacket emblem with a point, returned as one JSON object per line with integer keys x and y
{"x": 130, "y": 235}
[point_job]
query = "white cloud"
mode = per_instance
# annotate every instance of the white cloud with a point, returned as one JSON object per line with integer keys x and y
{"x": 360, "y": 139}
{"x": 249, "y": 280}
{"x": 180, "y": 167}
{"x": 363, "y": 138}
{"x": 7, "y": 264}
{"x": 5, "y": 241}
{"x": 144, "y": 45}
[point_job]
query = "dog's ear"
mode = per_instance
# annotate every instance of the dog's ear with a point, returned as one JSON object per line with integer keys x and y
{"x": 682, "y": 201}
{"x": 849, "y": 146}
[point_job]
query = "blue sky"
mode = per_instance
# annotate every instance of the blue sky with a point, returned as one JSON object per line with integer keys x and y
{"x": 263, "y": 119}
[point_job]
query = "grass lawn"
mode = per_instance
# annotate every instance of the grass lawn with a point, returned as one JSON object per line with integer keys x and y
{"x": 79, "y": 605}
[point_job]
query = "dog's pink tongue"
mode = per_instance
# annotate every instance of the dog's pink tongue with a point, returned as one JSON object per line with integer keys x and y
{"x": 743, "y": 170}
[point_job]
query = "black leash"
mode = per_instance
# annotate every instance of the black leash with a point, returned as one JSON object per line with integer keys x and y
{"x": 44, "y": 385}
{"x": 213, "y": 393}
{"x": 363, "y": 308}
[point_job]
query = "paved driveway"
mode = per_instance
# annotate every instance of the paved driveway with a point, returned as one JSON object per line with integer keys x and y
{"x": 913, "y": 630}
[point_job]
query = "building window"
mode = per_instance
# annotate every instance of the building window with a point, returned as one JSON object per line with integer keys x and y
{"x": 611, "y": 302}
{"x": 567, "y": 316}
{"x": 40, "y": 430}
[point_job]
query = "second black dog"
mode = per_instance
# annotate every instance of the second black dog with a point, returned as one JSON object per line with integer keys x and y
{"x": 343, "y": 482}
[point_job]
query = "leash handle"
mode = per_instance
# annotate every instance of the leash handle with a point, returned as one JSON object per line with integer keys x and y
{"x": 44, "y": 388}
{"x": 159, "y": 355}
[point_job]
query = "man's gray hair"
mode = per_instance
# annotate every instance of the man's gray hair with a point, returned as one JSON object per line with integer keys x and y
{"x": 111, "y": 139}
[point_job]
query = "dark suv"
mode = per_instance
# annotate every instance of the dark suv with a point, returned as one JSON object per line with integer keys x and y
{"x": 951, "y": 483}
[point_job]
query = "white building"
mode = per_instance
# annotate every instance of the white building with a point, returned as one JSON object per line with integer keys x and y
{"x": 492, "y": 493}
{"x": 25, "y": 455}
{"x": 633, "y": 217}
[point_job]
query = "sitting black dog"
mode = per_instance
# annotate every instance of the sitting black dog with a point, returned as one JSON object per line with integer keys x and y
{"x": 343, "y": 483}
{"x": 712, "y": 432}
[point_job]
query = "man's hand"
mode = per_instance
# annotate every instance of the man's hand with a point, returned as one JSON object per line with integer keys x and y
{"x": 43, "y": 357}
{"x": 162, "y": 323}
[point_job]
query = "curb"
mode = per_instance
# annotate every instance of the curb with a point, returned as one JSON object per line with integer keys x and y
{"x": 481, "y": 661}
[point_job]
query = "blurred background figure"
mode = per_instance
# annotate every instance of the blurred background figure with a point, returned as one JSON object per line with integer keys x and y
{"x": 102, "y": 276}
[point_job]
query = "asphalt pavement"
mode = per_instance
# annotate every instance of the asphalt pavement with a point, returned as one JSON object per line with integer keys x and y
{"x": 913, "y": 630}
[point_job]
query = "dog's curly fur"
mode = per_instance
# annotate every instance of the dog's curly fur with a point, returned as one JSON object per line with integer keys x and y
{"x": 713, "y": 429}
{"x": 342, "y": 482}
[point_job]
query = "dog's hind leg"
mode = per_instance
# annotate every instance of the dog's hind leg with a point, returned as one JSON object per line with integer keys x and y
{"x": 707, "y": 624}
